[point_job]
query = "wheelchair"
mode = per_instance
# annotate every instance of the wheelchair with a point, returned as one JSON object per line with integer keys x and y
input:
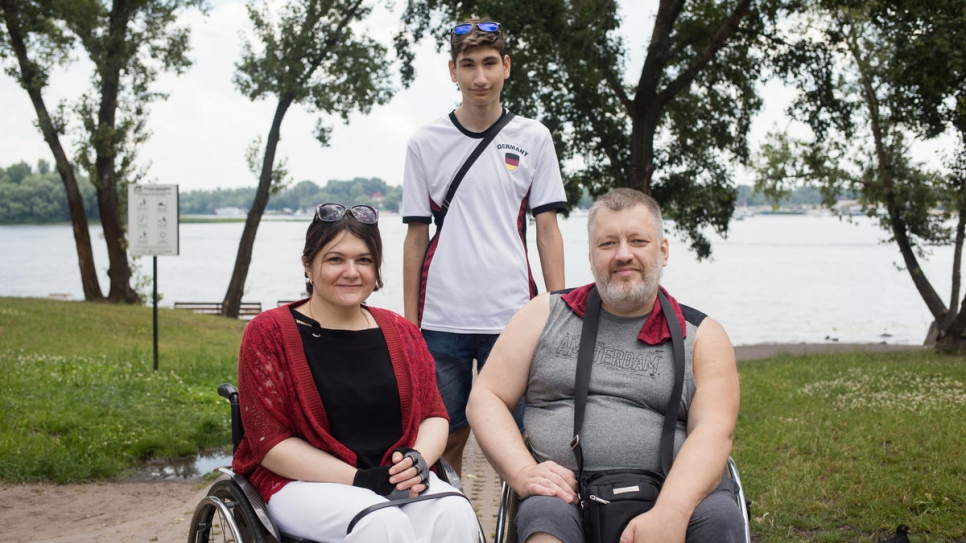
{"x": 506, "y": 531}
{"x": 233, "y": 510}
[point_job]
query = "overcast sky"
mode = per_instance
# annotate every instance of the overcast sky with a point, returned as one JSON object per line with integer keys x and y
{"x": 200, "y": 133}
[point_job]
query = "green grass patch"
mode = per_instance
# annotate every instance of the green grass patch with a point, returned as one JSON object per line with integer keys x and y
{"x": 80, "y": 400}
{"x": 842, "y": 448}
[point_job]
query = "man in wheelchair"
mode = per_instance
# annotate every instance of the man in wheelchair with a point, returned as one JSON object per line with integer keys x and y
{"x": 340, "y": 406}
{"x": 631, "y": 381}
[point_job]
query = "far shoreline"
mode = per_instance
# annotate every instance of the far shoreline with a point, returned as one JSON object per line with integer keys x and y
{"x": 768, "y": 350}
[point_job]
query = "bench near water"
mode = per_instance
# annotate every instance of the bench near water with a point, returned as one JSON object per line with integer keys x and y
{"x": 245, "y": 310}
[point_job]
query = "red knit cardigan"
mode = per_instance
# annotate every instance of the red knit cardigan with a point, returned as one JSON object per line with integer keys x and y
{"x": 279, "y": 398}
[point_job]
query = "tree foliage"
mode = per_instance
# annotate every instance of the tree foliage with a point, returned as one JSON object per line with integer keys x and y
{"x": 302, "y": 196}
{"x": 31, "y": 44}
{"x": 129, "y": 42}
{"x": 311, "y": 53}
{"x": 39, "y": 197}
{"x": 675, "y": 127}
{"x": 863, "y": 107}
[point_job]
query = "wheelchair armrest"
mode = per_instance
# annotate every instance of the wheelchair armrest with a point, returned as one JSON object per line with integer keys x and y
{"x": 255, "y": 500}
{"x": 447, "y": 474}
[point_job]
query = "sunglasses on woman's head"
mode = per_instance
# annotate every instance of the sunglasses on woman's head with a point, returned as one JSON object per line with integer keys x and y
{"x": 333, "y": 212}
{"x": 459, "y": 30}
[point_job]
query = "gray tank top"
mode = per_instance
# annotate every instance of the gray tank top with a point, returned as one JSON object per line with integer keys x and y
{"x": 629, "y": 388}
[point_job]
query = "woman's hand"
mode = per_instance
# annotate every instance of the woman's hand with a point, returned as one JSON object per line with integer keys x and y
{"x": 409, "y": 471}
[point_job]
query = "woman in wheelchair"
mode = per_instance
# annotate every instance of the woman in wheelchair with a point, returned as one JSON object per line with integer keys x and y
{"x": 339, "y": 402}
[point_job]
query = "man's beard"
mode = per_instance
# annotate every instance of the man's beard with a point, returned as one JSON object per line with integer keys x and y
{"x": 628, "y": 297}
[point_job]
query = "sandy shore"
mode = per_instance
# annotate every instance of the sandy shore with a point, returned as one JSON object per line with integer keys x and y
{"x": 159, "y": 512}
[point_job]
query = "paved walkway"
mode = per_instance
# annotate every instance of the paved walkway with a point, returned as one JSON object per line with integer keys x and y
{"x": 482, "y": 486}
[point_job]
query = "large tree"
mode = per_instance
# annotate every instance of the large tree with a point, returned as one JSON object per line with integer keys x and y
{"x": 674, "y": 129}
{"x": 307, "y": 52}
{"x": 27, "y": 22}
{"x": 129, "y": 43}
{"x": 872, "y": 76}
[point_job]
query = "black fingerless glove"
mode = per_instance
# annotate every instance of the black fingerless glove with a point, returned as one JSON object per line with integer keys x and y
{"x": 375, "y": 479}
{"x": 422, "y": 469}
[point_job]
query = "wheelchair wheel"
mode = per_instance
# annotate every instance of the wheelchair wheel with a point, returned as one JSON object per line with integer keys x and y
{"x": 225, "y": 516}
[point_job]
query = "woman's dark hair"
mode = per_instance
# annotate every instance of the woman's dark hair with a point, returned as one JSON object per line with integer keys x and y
{"x": 321, "y": 233}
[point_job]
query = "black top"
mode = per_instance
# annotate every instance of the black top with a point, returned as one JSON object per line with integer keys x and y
{"x": 356, "y": 382}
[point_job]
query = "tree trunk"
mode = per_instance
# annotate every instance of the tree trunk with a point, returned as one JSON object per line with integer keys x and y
{"x": 646, "y": 109}
{"x": 236, "y": 287}
{"x": 75, "y": 202}
{"x": 641, "y": 170}
{"x": 951, "y": 337}
{"x": 884, "y": 165}
{"x": 105, "y": 144}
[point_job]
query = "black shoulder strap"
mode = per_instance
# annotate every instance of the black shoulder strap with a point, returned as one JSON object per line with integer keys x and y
{"x": 674, "y": 402}
{"x": 491, "y": 133}
{"x": 585, "y": 359}
{"x": 585, "y": 362}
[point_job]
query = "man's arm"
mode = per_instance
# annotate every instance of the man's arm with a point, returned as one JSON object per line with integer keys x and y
{"x": 414, "y": 250}
{"x": 497, "y": 390}
{"x": 550, "y": 248}
{"x": 701, "y": 461}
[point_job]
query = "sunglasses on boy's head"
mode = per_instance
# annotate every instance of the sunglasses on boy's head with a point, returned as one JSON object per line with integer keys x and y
{"x": 459, "y": 30}
{"x": 333, "y": 212}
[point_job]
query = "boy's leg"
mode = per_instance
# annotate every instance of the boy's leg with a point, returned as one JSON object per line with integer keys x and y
{"x": 454, "y": 355}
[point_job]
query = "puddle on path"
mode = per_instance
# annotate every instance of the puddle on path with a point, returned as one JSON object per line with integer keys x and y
{"x": 186, "y": 469}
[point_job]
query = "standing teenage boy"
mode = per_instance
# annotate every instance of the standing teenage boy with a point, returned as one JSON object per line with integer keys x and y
{"x": 463, "y": 286}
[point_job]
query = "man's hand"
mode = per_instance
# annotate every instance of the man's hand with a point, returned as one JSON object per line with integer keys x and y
{"x": 659, "y": 525}
{"x": 547, "y": 479}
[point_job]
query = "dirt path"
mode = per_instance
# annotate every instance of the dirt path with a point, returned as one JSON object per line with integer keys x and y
{"x": 98, "y": 513}
{"x": 159, "y": 512}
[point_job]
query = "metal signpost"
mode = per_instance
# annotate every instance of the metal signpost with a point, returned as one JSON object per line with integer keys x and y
{"x": 152, "y": 229}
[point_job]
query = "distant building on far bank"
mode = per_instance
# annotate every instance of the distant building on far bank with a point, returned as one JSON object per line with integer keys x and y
{"x": 230, "y": 212}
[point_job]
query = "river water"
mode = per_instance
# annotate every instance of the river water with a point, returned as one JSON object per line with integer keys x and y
{"x": 774, "y": 279}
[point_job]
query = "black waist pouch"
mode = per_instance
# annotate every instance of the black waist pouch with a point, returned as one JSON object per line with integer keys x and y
{"x": 611, "y": 498}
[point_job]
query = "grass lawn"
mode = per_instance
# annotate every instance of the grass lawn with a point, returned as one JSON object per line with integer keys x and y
{"x": 845, "y": 447}
{"x": 831, "y": 448}
{"x": 80, "y": 400}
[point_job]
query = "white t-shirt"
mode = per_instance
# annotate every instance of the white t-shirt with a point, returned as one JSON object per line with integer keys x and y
{"x": 476, "y": 273}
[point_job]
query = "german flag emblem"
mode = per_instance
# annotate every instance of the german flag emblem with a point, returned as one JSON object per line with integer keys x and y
{"x": 512, "y": 161}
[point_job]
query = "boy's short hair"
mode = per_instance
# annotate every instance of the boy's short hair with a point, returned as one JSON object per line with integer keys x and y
{"x": 476, "y": 37}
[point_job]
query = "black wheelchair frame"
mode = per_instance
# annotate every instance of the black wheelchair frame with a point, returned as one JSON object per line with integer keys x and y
{"x": 233, "y": 510}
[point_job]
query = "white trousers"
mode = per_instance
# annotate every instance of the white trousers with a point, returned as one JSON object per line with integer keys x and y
{"x": 322, "y": 512}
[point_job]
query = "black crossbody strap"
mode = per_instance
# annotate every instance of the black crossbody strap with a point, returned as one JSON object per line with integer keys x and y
{"x": 674, "y": 402}
{"x": 585, "y": 363}
{"x": 585, "y": 360}
{"x": 487, "y": 138}
{"x": 396, "y": 503}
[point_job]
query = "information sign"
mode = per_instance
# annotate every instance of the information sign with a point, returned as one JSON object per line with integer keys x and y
{"x": 152, "y": 213}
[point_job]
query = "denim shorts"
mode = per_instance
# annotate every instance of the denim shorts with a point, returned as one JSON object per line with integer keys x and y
{"x": 454, "y": 355}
